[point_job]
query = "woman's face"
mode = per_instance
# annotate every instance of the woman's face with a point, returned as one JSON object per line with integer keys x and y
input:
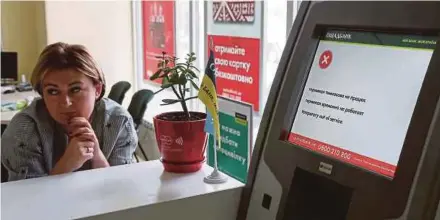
{"x": 68, "y": 94}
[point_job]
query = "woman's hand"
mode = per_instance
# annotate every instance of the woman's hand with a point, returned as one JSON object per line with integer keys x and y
{"x": 80, "y": 127}
{"x": 78, "y": 151}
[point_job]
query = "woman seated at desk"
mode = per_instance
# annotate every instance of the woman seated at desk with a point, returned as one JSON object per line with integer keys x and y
{"x": 72, "y": 127}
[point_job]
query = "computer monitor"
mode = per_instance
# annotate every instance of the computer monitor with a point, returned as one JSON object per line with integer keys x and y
{"x": 9, "y": 65}
{"x": 349, "y": 128}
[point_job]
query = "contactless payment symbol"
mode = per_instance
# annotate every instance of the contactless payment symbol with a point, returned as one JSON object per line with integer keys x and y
{"x": 326, "y": 59}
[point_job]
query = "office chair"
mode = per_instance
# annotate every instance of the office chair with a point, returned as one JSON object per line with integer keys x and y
{"x": 118, "y": 90}
{"x": 137, "y": 108}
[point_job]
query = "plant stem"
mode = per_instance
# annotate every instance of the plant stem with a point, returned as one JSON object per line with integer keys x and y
{"x": 160, "y": 90}
{"x": 175, "y": 92}
{"x": 183, "y": 102}
{"x": 185, "y": 109}
{"x": 184, "y": 90}
{"x": 182, "y": 93}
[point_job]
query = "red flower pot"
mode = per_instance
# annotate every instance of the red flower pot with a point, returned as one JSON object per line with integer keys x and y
{"x": 181, "y": 142}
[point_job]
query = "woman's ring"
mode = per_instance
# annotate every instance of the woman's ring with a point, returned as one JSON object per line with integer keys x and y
{"x": 89, "y": 150}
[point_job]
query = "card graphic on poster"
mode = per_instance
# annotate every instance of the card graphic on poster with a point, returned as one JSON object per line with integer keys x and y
{"x": 233, "y": 11}
{"x": 237, "y": 62}
{"x": 158, "y": 33}
{"x": 236, "y": 139}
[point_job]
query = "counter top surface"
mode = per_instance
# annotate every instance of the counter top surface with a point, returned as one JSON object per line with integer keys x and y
{"x": 94, "y": 192}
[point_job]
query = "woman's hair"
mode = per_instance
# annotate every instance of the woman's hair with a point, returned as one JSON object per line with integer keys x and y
{"x": 63, "y": 56}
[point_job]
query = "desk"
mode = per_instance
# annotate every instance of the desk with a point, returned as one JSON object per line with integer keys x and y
{"x": 135, "y": 191}
{"x": 12, "y": 97}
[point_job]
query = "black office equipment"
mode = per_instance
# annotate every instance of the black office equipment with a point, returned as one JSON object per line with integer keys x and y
{"x": 9, "y": 66}
{"x": 350, "y": 130}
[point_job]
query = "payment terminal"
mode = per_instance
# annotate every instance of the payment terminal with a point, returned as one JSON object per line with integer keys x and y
{"x": 350, "y": 130}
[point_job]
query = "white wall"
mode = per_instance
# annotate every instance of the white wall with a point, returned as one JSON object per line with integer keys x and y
{"x": 104, "y": 27}
{"x": 40, "y": 26}
{"x": 23, "y": 31}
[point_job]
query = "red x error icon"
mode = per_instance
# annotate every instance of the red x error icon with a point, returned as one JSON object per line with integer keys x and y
{"x": 326, "y": 59}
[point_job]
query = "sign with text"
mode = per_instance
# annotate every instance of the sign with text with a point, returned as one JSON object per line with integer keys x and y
{"x": 236, "y": 139}
{"x": 237, "y": 62}
{"x": 234, "y": 29}
{"x": 158, "y": 34}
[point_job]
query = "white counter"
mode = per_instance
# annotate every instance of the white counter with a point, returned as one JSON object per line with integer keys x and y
{"x": 135, "y": 191}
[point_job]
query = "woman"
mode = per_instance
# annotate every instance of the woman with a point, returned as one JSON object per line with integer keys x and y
{"x": 72, "y": 127}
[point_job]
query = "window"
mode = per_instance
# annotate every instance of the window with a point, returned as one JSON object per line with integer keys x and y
{"x": 274, "y": 39}
{"x": 159, "y": 26}
{"x": 190, "y": 31}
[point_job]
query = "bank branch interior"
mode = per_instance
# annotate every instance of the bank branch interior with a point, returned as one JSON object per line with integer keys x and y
{"x": 220, "y": 110}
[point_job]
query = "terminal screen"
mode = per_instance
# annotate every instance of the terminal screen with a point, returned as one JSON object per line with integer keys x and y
{"x": 360, "y": 95}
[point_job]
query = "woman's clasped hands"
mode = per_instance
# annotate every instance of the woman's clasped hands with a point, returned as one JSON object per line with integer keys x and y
{"x": 83, "y": 146}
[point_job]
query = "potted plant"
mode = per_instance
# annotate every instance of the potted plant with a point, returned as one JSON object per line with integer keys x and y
{"x": 180, "y": 135}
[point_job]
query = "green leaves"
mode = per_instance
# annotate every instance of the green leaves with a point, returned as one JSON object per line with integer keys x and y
{"x": 182, "y": 79}
{"x": 156, "y": 74}
{"x": 173, "y": 101}
{"x": 178, "y": 76}
{"x": 192, "y": 74}
{"x": 194, "y": 84}
{"x": 169, "y": 101}
{"x": 166, "y": 83}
